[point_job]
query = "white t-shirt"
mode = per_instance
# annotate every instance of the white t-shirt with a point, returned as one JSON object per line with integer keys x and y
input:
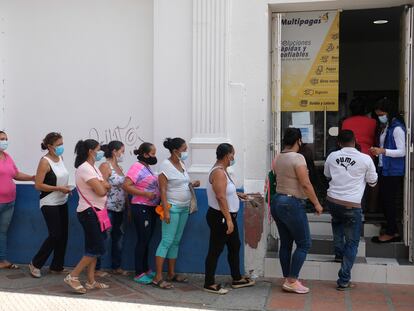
{"x": 83, "y": 174}
{"x": 178, "y": 191}
{"x": 349, "y": 171}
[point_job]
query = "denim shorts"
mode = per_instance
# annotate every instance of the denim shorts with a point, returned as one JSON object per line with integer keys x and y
{"x": 94, "y": 237}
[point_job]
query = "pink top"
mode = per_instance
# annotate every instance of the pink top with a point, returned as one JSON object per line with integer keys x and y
{"x": 144, "y": 180}
{"x": 8, "y": 171}
{"x": 83, "y": 174}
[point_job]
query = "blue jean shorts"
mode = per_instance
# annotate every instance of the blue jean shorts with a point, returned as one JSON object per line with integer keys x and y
{"x": 94, "y": 237}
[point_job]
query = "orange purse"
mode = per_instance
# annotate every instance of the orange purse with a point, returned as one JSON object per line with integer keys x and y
{"x": 159, "y": 209}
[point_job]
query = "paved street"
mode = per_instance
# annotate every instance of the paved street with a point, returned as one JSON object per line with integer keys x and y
{"x": 20, "y": 292}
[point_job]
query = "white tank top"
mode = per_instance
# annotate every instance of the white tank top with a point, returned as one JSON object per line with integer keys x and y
{"x": 233, "y": 201}
{"x": 57, "y": 176}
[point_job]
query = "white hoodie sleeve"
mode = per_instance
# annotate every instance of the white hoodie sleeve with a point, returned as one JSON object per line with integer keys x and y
{"x": 371, "y": 177}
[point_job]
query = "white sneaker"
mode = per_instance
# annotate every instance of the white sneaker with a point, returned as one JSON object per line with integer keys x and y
{"x": 34, "y": 271}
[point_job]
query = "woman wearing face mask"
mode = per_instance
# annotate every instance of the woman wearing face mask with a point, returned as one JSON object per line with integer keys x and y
{"x": 52, "y": 180}
{"x": 113, "y": 173}
{"x": 142, "y": 183}
{"x": 391, "y": 166}
{"x": 175, "y": 198}
{"x": 288, "y": 209}
{"x": 8, "y": 173}
{"x": 92, "y": 189}
{"x": 224, "y": 203}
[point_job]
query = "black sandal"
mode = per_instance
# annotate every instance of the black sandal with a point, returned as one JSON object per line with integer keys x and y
{"x": 177, "y": 279}
{"x": 162, "y": 284}
{"x": 243, "y": 282}
{"x": 216, "y": 289}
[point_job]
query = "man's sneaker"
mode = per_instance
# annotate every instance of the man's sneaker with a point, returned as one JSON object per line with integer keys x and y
{"x": 34, "y": 271}
{"x": 295, "y": 287}
{"x": 345, "y": 287}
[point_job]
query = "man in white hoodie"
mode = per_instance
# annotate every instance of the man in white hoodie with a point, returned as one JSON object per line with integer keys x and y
{"x": 349, "y": 171}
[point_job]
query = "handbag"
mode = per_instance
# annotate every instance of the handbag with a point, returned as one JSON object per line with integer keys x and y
{"x": 102, "y": 215}
{"x": 193, "y": 202}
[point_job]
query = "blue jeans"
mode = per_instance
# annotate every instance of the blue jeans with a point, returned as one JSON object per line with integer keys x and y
{"x": 145, "y": 220}
{"x": 346, "y": 228}
{"x": 116, "y": 233}
{"x": 6, "y": 214}
{"x": 292, "y": 224}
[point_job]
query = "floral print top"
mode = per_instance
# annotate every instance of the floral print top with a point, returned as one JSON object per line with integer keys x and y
{"x": 116, "y": 195}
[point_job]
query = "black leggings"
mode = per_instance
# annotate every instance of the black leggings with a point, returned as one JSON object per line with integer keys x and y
{"x": 56, "y": 218}
{"x": 389, "y": 189}
{"x": 218, "y": 239}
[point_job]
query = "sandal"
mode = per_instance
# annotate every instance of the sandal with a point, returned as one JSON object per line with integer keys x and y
{"x": 63, "y": 271}
{"x": 11, "y": 266}
{"x": 96, "y": 285}
{"x": 216, "y": 289}
{"x": 162, "y": 284}
{"x": 243, "y": 282}
{"x": 178, "y": 279}
{"x": 70, "y": 280}
{"x": 120, "y": 272}
{"x": 101, "y": 274}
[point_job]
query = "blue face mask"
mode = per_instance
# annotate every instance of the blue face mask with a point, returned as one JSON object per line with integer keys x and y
{"x": 59, "y": 150}
{"x": 184, "y": 156}
{"x": 383, "y": 119}
{"x": 232, "y": 162}
{"x": 99, "y": 155}
{"x": 4, "y": 144}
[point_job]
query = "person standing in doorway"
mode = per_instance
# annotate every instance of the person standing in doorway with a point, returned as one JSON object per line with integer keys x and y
{"x": 8, "y": 173}
{"x": 175, "y": 193}
{"x": 391, "y": 166}
{"x": 93, "y": 191}
{"x": 113, "y": 173}
{"x": 349, "y": 171}
{"x": 288, "y": 209}
{"x": 142, "y": 183}
{"x": 52, "y": 180}
{"x": 363, "y": 127}
{"x": 224, "y": 203}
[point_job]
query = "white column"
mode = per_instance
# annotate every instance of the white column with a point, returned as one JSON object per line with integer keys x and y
{"x": 210, "y": 81}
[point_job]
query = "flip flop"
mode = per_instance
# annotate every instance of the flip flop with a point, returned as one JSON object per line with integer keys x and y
{"x": 243, "y": 282}
{"x": 215, "y": 289}
{"x": 120, "y": 272}
{"x": 162, "y": 284}
{"x": 178, "y": 279}
{"x": 395, "y": 239}
{"x": 11, "y": 266}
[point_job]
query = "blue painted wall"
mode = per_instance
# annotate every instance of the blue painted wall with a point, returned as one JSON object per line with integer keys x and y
{"x": 28, "y": 231}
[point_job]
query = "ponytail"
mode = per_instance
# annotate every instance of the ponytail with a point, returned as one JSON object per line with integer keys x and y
{"x": 82, "y": 150}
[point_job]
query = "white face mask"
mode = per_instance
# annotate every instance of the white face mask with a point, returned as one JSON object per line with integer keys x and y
{"x": 120, "y": 158}
{"x": 383, "y": 119}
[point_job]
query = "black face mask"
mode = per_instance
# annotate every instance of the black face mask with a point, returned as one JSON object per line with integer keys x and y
{"x": 149, "y": 161}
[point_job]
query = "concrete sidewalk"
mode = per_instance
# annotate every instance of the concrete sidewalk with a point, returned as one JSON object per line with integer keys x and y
{"x": 20, "y": 292}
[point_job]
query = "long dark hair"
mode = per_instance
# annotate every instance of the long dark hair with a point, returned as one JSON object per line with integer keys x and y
{"x": 386, "y": 105}
{"x": 109, "y": 148}
{"x": 82, "y": 150}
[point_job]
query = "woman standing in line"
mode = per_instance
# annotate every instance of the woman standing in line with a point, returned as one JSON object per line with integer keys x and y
{"x": 142, "y": 183}
{"x": 52, "y": 179}
{"x": 93, "y": 191}
{"x": 8, "y": 173}
{"x": 113, "y": 173}
{"x": 175, "y": 198}
{"x": 224, "y": 204}
{"x": 288, "y": 209}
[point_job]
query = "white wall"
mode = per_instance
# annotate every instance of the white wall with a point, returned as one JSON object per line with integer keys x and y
{"x": 71, "y": 66}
